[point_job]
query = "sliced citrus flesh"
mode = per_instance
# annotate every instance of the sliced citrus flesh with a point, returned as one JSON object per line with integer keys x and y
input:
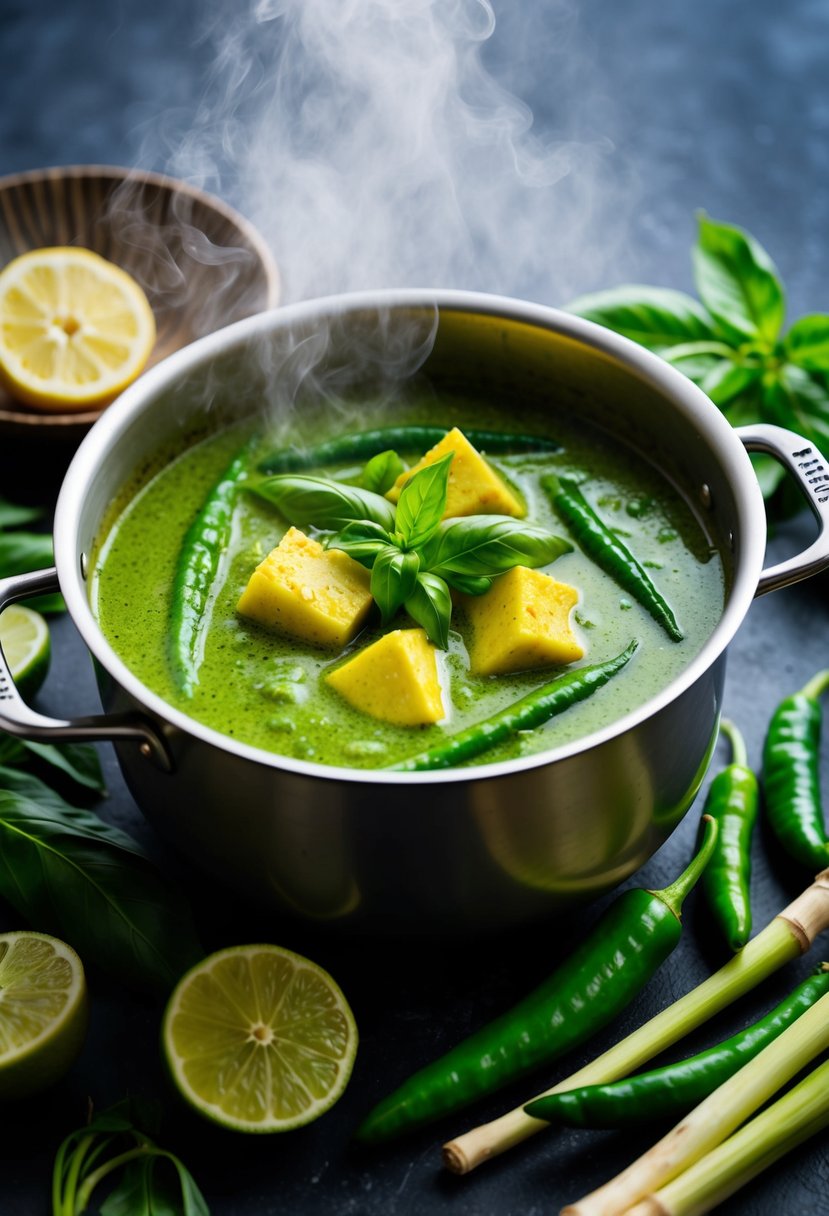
{"x": 43, "y": 1011}
{"x": 24, "y": 637}
{"x": 259, "y": 1039}
{"x": 75, "y": 329}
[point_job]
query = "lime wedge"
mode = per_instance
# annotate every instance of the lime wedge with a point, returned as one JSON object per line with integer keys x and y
{"x": 43, "y": 1011}
{"x": 24, "y": 636}
{"x": 259, "y": 1039}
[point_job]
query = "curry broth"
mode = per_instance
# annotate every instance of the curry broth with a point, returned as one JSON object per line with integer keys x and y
{"x": 266, "y": 690}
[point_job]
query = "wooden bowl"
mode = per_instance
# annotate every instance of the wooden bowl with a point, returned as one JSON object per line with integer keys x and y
{"x": 201, "y": 264}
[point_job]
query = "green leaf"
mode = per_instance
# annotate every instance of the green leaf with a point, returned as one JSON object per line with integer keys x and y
{"x": 692, "y": 361}
{"x": 156, "y": 1184}
{"x": 361, "y": 540}
{"x": 382, "y": 471}
{"x": 11, "y": 749}
{"x": 393, "y": 578}
{"x": 430, "y": 604}
{"x": 797, "y": 400}
{"x": 21, "y": 552}
{"x": 77, "y": 760}
{"x": 422, "y": 502}
{"x": 468, "y": 585}
{"x": 323, "y": 503}
{"x": 727, "y": 380}
{"x": 12, "y": 516}
{"x": 655, "y": 317}
{"x": 70, "y": 874}
{"x": 738, "y": 282}
{"x": 486, "y": 545}
{"x": 807, "y": 343}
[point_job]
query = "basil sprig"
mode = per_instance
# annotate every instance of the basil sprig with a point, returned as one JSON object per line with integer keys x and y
{"x": 382, "y": 471}
{"x": 731, "y": 342}
{"x": 414, "y": 555}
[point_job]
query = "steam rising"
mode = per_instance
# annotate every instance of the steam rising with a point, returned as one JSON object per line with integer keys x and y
{"x": 371, "y": 146}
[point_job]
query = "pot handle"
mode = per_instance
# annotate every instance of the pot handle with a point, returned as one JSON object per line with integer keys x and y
{"x": 19, "y": 720}
{"x": 811, "y": 472}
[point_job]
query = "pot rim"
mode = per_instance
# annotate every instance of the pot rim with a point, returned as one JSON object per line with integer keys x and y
{"x": 674, "y": 386}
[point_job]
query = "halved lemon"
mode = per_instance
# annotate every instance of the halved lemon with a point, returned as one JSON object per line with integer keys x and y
{"x": 43, "y": 1011}
{"x": 75, "y": 329}
{"x": 24, "y": 636}
{"x": 259, "y": 1039}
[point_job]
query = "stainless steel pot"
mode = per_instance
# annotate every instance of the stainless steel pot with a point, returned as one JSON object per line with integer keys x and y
{"x": 489, "y": 846}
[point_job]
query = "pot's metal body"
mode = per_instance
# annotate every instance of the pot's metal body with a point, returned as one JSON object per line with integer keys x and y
{"x": 487, "y": 846}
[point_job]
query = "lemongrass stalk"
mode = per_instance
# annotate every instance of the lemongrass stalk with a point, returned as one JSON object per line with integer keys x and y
{"x": 790, "y": 933}
{"x": 801, "y": 1113}
{"x": 715, "y": 1118}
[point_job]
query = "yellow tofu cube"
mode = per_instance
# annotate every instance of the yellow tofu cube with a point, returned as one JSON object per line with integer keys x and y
{"x": 474, "y": 487}
{"x": 319, "y": 595}
{"x": 522, "y": 622}
{"x": 395, "y": 679}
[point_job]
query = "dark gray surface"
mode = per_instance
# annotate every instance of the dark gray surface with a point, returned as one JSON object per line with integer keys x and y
{"x": 717, "y": 106}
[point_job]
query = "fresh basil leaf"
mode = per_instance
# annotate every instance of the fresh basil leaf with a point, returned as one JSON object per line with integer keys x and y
{"x": 807, "y": 343}
{"x": 422, "y": 502}
{"x": 382, "y": 471}
{"x": 430, "y": 604}
{"x": 486, "y": 545}
{"x": 157, "y": 1184}
{"x": 797, "y": 400}
{"x": 77, "y": 760}
{"x": 11, "y": 749}
{"x": 12, "y": 516}
{"x": 738, "y": 282}
{"x": 29, "y": 786}
{"x": 393, "y": 578}
{"x": 361, "y": 540}
{"x": 468, "y": 585}
{"x": 325, "y": 504}
{"x": 727, "y": 380}
{"x": 21, "y": 552}
{"x": 655, "y": 317}
{"x": 70, "y": 874}
{"x": 692, "y": 361}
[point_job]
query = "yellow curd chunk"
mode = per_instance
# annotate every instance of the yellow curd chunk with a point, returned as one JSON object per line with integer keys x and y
{"x": 474, "y": 487}
{"x": 395, "y": 679}
{"x": 319, "y": 595}
{"x": 522, "y": 622}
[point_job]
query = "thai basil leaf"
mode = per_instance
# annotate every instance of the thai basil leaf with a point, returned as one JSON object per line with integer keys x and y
{"x": 468, "y": 585}
{"x": 382, "y": 471}
{"x": 807, "y": 343}
{"x": 323, "y": 503}
{"x": 727, "y": 380}
{"x": 652, "y": 316}
{"x": 393, "y": 578}
{"x": 361, "y": 540}
{"x": 77, "y": 760}
{"x": 422, "y": 502}
{"x": 738, "y": 282}
{"x": 12, "y": 516}
{"x": 797, "y": 400}
{"x": 157, "y": 1184}
{"x": 486, "y": 545}
{"x": 21, "y": 552}
{"x": 70, "y": 874}
{"x": 430, "y": 604}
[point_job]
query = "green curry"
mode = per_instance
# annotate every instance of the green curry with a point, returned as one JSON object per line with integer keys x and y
{"x": 269, "y": 691}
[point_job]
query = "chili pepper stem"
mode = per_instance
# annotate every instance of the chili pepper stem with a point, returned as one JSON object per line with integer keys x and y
{"x": 816, "y": 686}
{"x": 801, "y": 1113}
{"x": 784, "y": 938}
{"x": 739, "y": 754}
{"x": 674, "y": 895}
{"x": 710, "y": 1123}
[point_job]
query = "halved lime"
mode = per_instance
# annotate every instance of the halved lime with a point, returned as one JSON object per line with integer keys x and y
{"x": 24, "y": 636}
{"x": 259, "y": 1039}
{"x": 43, "y": 1011}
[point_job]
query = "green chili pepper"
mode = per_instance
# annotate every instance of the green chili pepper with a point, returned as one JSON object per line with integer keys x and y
{"x": 791, "y": 775}
{"x": 670, "y": 1092}
{"x": 732, "y": 800}
{"x": 531, "y": 711}
{"x": 608, "y": 551}
{"x": 201, "y": 552}
{"x": 603, "y": 975}
{"x": 361, "y": 445}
